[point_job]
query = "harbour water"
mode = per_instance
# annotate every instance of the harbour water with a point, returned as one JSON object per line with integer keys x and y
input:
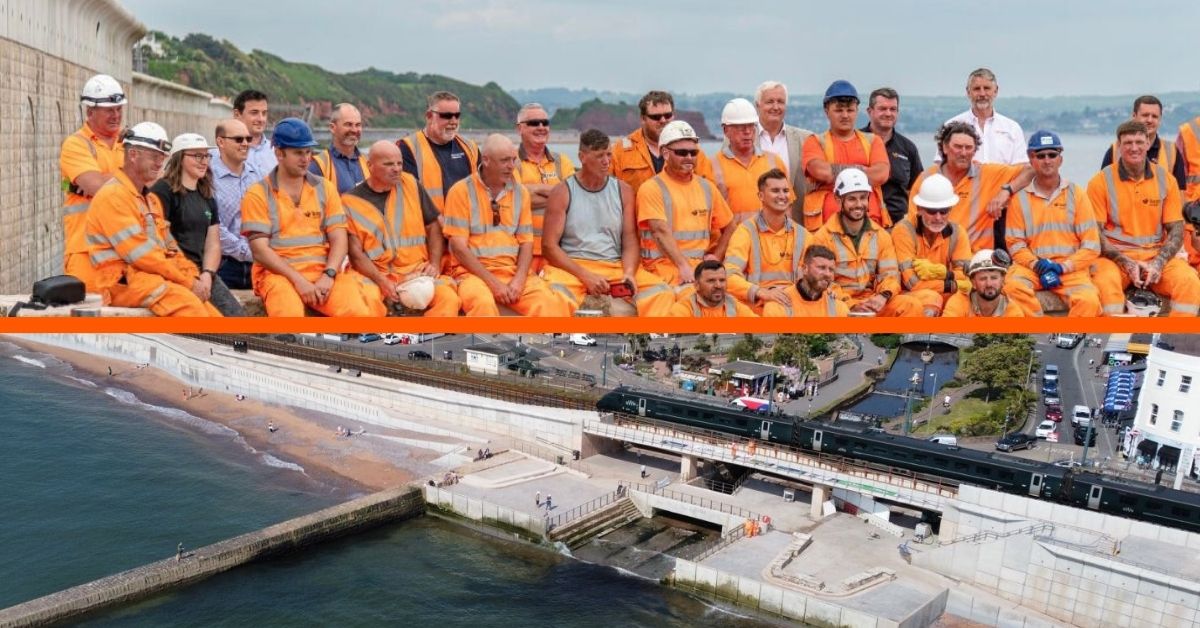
{"x": 97, "y": 481}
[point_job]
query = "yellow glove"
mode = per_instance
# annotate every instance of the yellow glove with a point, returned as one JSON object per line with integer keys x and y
{"x": 928, "y": 271}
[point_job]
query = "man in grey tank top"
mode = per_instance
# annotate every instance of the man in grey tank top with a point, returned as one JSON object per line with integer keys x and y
{"x": 590, "y": 238}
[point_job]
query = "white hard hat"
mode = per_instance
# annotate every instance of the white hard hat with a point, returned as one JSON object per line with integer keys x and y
{"x": 417, "y": 293}
{"x": 102, "y": 90}
{"x": 989, "y": 259}
{"x": 739, "y": 111}
{"x": 147, "y": 135}
{"x": 851, "y": 180}
{"x": 1140, "y": 302}
{"x": 189, "y": 141}
{"x": 677, "y": 130}
{"x": 936, "y": 192}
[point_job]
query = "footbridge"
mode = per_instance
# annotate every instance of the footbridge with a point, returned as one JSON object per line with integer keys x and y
{"x": 962, "y": 341}
{"x": 823, "y": 472}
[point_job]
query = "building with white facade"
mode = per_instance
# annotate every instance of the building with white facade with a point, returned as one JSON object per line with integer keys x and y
{"x": 1166, "y": 430}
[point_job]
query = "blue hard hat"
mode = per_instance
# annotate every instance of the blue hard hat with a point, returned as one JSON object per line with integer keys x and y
{"x": 840, "y": 89}
{"x": 292, "y": 133}
{"x": 1045, "y": 140}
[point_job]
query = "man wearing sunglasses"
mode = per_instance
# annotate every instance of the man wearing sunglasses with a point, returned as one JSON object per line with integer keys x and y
{"x": 1140, "y": 216}
{"x": 1051, "y": 231}
{"x": 933, "y": 253}
{"x": 986, "y": 298}
{"x": 88, "y": 159}
{"x": 233, "y": 174}
{"x": 136, "y": 260}
{"x": 638, "y": 157}
{"x": 342, "y": 163}
{"x": 538, "y": 169}
{"x": 489, "y": 225}
{"x": 437, "y": 155}
{"x": 682, "y": 216}
{"x": 866, "y": 259}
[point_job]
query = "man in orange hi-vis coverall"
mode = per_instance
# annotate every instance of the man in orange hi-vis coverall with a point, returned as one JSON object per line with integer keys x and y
{"x": 297, "y": 231}
{"x": 136, "y": 262}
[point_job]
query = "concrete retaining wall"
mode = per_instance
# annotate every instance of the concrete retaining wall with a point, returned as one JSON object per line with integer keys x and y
{"x": 790, "y": 604}
{"x": 647, "y": 503}
{"x": 48, "y": 50}
{"x": 142, "y": 582}
{"x": 369, "y": 399}
{"x": 486, "y": 512}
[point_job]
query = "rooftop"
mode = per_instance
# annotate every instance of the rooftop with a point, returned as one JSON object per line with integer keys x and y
{"x": 745, "y": 369}
{"x": 1187, "y": 344}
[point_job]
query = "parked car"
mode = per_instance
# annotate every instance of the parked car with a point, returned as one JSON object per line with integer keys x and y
{"x": 1081, "y": 432}
{"x": 368, "y": 337}
{"x": 391, "y": 339}
{"x": 1015, "y": 441}
{"x": 1069, "y": 341}
{"x": 1054, "y": 413}
{"x": 526, "y": 367}
{"x": 1045, "y": 429}
{"x": 419, "y": 355}
{"x": 582, "y": 340}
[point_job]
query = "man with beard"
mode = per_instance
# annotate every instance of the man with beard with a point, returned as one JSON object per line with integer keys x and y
{"x": 436, "y": 155}
{"x": 932, "y": 252}
{"x": 709, "y": 299}
{"x": 986, "y": 270}
{"x": 342, "y": 164}
{"x": 1002, "y": 140}
{"x": 637, "y": 157}
{"x": 538, "y": 169}
{"x": 814, "y": 294}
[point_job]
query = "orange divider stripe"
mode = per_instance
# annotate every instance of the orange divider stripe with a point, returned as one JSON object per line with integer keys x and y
{"x": 598, "y": 325}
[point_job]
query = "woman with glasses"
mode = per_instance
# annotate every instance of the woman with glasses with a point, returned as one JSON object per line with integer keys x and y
{"x": 186, "y": 192}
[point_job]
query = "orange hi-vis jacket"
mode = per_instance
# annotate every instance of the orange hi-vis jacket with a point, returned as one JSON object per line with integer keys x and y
{"x": 870, "y": 268}
{"x": 759, "y": 258}
{"x": 1188, "y": 142}
{"x": 738, "y": 183}
{"x": 865, "y": 149}
{"x": 690, "y": 307}
{"x": 962, "y": 305}
{"x": 395, "y": 240}
{"x": 694, "y": 212}
{"x": 632, "y": 164}
{"x": 829, "y": 305}
{"x": 127, "y": 231}
{"x": 949, "y": 249}
{"x": 1131, "y": 214}
{"x": 325, "y": 163}
{"x": 555, "y": 169}
{"x": 469, "y": 214}
{"x": 83, "y": 151}
{"x": 1061, "y": 229}
{"x": 981, "y": 183}
{"x": 429, "y": 170}
{"x": 298, "y": 233}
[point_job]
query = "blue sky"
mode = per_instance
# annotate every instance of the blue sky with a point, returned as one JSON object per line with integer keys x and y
{"x": 1037, "y": 48}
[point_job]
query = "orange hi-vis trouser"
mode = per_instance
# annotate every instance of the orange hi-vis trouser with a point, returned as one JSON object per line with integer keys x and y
{"x": 653, "y": 297}
{"x": 1077, "y": 290}
{"x": 352, "y": 294}
{"x": 445, "y": 295}
{"x": 898, "y": 305}
{"x": 536, "y": 300}
{"x": 151, "y": 291}
{"x": 932, "y": 301}
{"x": 1179, "y": 284}
{"x": 1022, "y": 292}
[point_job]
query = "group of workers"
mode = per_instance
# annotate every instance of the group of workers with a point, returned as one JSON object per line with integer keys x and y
{"x": 779, "y": 222}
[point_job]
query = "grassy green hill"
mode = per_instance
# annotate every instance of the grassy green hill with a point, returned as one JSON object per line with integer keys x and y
{"x": 385, "y": 98}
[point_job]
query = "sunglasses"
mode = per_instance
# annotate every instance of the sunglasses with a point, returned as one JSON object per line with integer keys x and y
{"x": 659, "y": 117}
{"x": 1050, "y": 154}
{"x": 111, "y": 98}
{"x": 936, "y": 212}
{"x": 240, "y": 139}
{"x": 448, "y": 115}
{"x": 495, "y": 213}
{"x": 685, "y": 152}
{"x": 542, "y": 122}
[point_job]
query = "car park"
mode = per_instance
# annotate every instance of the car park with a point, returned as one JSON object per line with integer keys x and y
{"x": 1015, "y": 441}
{"x": 419, "y": 355}
{"x": 368, "y": 337}
{"x": 1045, "y": 429}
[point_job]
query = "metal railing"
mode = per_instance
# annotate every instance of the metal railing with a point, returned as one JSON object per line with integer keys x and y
{"x": 992, "y": 535}
{"x": 710, "y": 548}
{"x": 550, "y": 455}
{"x": 557, "y": 521}
{"x": 702, "y": 502}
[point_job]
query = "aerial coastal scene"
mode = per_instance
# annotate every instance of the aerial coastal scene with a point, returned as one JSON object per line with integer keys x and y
{"x": 704, "y": 479}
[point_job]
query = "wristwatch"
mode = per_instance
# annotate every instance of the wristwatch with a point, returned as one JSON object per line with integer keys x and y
{"x": 331, "y": 273}
{"x": 1007, "y": 188}
{"x": 210, "y": 272}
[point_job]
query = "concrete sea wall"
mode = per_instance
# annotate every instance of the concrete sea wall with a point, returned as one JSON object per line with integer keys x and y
{"x": 142, "y": 582}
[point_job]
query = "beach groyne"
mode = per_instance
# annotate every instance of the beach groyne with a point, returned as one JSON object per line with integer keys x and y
{"x": 380, "y": 508}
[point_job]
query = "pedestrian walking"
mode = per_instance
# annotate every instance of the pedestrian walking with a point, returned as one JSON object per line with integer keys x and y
{"x": 179, "y": 552}
{"x": 549, "y": 507}
{"x": 643, "y": 472}
{"x": 537, "y": 498}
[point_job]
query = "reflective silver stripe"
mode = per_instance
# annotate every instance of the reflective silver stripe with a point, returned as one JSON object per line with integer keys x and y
{"x": 99, "y": 257}
{"x": 154, "y": 295}
{"x": 298, "y": 241}
{"x": 96, "y": 239}
{"x": 365, "y": 224}
{"x": 730, "y": 306}
{"x": 77, "y": 208}
{"x": 907, "y": 264}
{"x": 651, "y": 291}
{"x": 140, "y": 251}
{"x": 456, "y": 222}
{"x": 418, "y": 151}
{"x": 478, "y": 227}
{"x": 256, "y": 227}
{"x": 830, "y": 304}
{"x": 122, "y": 235}
{"x": 1117, "y": 232}
{"x": 976, "y": 231}
{"x": 758, "y": 224}
{"x": 270, "y": 183}
{"x": 493, "y": 251}
{"x": 1185, "y": 308}
{"x": 563, "y": 290}
{"x": 669, "y": 211}
{"x": 304, "y": 259}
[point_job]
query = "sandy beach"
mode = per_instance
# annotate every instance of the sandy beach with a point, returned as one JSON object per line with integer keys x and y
{"x": 302, "y": 437}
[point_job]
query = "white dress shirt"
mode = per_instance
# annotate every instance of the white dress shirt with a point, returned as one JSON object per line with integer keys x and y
{"x": 1003, "y": 139}
{"x": 778, "y": 145}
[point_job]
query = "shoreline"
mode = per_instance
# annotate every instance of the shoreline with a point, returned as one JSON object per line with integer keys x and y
{"x": 304, "y": 438}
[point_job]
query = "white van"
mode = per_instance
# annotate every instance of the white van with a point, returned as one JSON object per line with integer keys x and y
{"x": 582, "y": 340}
{"x": 944, "y": 439}
{"x": 1081, "y": 415}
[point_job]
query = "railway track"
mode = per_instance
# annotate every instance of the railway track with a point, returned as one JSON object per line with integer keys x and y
{"x": 518, "y": 393}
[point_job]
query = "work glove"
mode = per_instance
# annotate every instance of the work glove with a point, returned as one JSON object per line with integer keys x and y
{"x": 1050, "y": 279}
{"x": 1044, "y": 265}
{"x": 927, "y": 270}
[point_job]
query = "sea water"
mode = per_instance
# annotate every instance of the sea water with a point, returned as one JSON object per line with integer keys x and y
{"x": 96, "y": 480}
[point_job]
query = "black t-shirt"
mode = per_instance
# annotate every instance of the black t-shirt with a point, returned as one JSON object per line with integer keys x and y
{"x": 905, "y": 163}
{"x": 429, "y": 212}
{"x": 451, "y": 157}
{"x": 190, "y": 215}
